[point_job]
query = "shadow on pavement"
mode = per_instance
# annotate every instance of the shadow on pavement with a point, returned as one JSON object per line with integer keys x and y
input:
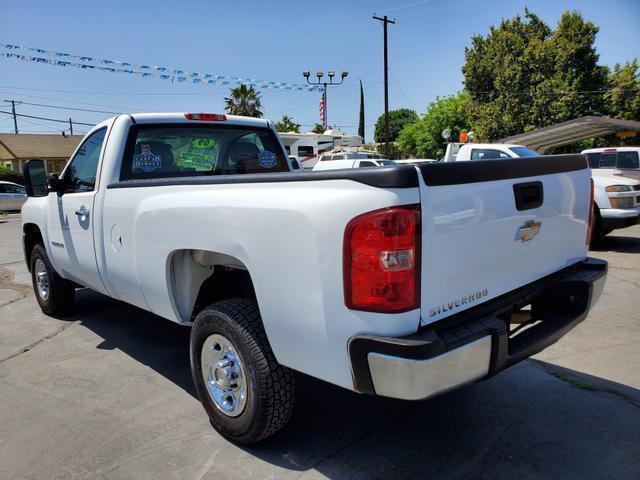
{"x": 614, "y": 243}
{"x": 151, "y": 340}
{"x": 533, "y": 420}
{"x": 524, "y": 423}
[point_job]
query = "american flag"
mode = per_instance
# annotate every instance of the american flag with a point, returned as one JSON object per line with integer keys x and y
{"x": 322, "y": 119}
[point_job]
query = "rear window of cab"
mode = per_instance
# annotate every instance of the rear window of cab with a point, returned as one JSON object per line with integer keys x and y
{"x": 183, "y": 150}
{"x": 623, "y": 159}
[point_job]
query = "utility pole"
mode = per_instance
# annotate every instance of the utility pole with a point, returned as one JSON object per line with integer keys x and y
{"x": 361, "y": 119}
{"x": 385, "y": 21}
{"x": 70, "y": 126}
{"x": 306, "y": 74}
{"x": 15, "y": 117}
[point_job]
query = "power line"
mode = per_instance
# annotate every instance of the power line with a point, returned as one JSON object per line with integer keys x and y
{"x": 438, "y": 9}
{"x": 30, "y": 122}
{"x": 400, "y": 7}
{"x": 80, "y": 92}
{"x": 47, "y": 119}
{"x": 66, "y": 101}
{"x": 402, "y": 91}
{"x": 346, "y": 94}
{"x": 558, "y": 92}
{"x": 66, "y": 108}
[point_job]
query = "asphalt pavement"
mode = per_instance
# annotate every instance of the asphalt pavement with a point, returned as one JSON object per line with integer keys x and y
{"x": 107, "y": 393}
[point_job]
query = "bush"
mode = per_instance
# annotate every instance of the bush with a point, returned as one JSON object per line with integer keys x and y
{"x": 9, "y": 175}
{"x": 394, "y": 151}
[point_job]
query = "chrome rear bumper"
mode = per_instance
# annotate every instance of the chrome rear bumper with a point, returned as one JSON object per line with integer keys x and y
{"x": 476, "y": 343}
{"x": 417, "y": 379}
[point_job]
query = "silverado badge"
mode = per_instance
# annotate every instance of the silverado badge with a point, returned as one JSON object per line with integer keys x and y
{"x": 527, "y": 230}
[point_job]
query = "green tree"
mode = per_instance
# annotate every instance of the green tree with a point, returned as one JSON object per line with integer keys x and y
{"x": 318, "y": 128}
{"x": 244, "y": 101}
{"x": 394, "y": 152}
{"x": 623, "y": 97}
{"x": 397, "y": 121}
{"x": 9, "y": 175}
{"x": 423, "y": 138}
{"x": 361, "y": 119}
{"x": 286, "y": 124}
{"x": 524, "y": 75}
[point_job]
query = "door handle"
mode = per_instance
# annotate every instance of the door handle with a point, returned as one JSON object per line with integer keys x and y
{"x": 528, "y": 195}
{"x": 83, "y": 212}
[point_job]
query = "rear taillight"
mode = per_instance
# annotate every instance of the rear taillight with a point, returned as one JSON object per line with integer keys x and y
{"x": 382, "y": 260}
{"x": 206, "y": 117}
{"x": 592, "y": 207}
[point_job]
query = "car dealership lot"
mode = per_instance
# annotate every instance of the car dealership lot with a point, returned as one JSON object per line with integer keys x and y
{"x": 108, "y": 394}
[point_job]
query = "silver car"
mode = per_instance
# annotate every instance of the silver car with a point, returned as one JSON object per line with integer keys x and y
{"x": 12, "y": 196}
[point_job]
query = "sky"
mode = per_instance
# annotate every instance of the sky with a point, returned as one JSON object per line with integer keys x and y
{"x": 273, "y": 41}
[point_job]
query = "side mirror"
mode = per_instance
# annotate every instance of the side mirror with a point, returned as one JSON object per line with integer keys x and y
{"x": 35, "y": 179}
{"x": 55, "y": 184}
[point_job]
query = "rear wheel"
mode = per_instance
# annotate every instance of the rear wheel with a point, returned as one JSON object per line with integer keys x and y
{"x": 55, "y": 294}
{"x": 247, "y": 395}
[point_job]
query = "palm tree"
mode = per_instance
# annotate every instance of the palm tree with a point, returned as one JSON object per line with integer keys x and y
{"x": 287, "y": 125}
{"x": 244, "y": 101}
{"x": 318, "y": 128}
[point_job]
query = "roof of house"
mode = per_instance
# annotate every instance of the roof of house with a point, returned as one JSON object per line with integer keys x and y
{"x": 26, "y": 146}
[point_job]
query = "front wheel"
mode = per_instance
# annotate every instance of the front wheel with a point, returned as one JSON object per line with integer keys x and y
{"x": 55, "y": 294}
{"x": 247, "y": 395}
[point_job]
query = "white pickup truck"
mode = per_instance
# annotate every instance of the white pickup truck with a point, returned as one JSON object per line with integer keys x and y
{"x": 616, "y": 198}
{"x": 402, "y": 281}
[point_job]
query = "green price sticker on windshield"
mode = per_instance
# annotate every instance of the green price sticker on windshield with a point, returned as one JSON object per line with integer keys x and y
{"x": 203, "y": 143}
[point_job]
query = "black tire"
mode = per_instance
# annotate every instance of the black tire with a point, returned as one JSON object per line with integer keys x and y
{"x": 61, "y": 292}
{"x": 270, "y": 386}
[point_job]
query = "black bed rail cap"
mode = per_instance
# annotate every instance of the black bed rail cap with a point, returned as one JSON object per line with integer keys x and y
{"x": 472, "y": 171}
{"x": 400, "y": 176}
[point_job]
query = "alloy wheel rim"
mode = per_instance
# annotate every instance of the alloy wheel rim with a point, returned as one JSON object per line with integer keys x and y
{"x": 224, "y": 375}
{"x": 42, "y": 280}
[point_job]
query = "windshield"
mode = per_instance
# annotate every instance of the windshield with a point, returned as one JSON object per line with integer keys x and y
{"x": 181, "y": 150}
{"x": 524, "y": 152}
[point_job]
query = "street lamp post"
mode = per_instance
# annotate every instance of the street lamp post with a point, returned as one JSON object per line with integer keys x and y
{"x": 331, "y": 74}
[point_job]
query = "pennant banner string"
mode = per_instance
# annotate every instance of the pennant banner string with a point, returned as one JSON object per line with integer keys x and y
{"x": 164, "y": 73}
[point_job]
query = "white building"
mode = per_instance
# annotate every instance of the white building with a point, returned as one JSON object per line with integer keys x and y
{"x": 308, "y": 146}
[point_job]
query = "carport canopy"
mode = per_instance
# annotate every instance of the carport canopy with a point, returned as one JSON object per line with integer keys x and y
{"x": 571, "y": 131}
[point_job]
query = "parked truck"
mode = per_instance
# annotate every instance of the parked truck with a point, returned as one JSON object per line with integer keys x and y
{"x": 403, "y": 281}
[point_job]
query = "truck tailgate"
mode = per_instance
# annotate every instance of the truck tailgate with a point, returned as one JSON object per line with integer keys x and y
{"x": 489, "y": 227}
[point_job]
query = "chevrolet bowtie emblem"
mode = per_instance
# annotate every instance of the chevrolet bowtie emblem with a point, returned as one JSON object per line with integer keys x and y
{"x": 528, "y": 230}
